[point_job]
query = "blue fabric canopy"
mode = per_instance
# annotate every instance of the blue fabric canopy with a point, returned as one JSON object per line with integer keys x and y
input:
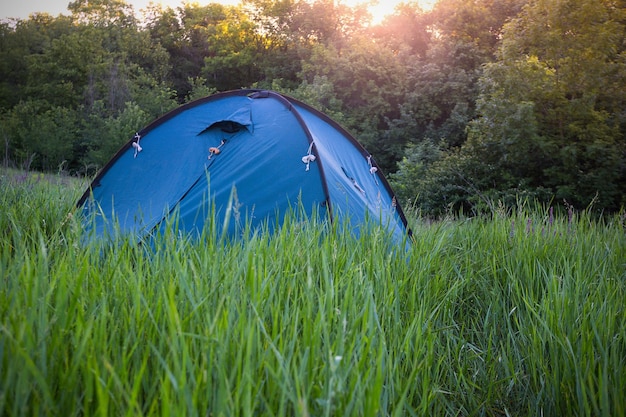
{"x": 240, "y": 157}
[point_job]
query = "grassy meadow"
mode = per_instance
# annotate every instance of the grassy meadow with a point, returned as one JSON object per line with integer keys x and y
{"x": 522, "y": 314}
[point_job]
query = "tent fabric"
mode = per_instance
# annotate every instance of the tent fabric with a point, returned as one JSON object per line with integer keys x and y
{"x": 243, "y": 156}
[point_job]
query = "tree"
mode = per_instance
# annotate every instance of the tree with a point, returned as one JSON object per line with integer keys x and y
{"x": 443, "y": 52}
{"x": 476, "y": 21}
{"x": 166, "y": 29}
{"x": 236, "y": 53}
{"x": 408, "y": 29}
{"x": 102, "y": 137}
{"x": 369, "y": 82}
{"x": 307, "y": 22}
{"x": 103, "y": 13}
{"x": 441, "y": 91}
{"x": 41, "y": 133}
{"x": 88, "y": 66}
{"x": 551, "y": 105}
{"x": 93, "y": 61}
{"x": 18, "y": 42}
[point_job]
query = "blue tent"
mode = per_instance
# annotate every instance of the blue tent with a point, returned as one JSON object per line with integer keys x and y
{"x": 243, "y": 157}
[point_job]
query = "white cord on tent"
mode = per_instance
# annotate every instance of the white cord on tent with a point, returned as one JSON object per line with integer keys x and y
{"x": 307, "y": 160}
{"x": 215, "y": 150}
{"x": 357, "y": 186}
{"x": 136, "y": 145}
{"x": 309, "y": 157}
{"x": 373, "y": 169}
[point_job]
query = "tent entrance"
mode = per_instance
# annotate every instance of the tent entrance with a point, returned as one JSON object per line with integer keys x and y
{"x": 227, "y": 126}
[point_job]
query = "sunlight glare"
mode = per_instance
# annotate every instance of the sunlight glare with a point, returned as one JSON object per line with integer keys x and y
{"x": 379, "y": 10}
{"x": 384, "y": 8}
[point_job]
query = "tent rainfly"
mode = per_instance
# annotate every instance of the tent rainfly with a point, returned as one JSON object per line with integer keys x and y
{"x": 255, "y": 152}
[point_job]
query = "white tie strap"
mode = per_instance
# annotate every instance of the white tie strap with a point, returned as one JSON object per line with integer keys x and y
{"x": 309, "y": 157}
{"x": 136, "y": 145}
{"x": 215, "y": 150}
{"x": 373, "y": 169}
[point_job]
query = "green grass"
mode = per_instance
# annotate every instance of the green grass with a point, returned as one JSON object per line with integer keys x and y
{"x": 519, "y": 315}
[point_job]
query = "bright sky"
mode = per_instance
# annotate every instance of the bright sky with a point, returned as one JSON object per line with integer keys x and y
{"x": 23, "y": 8}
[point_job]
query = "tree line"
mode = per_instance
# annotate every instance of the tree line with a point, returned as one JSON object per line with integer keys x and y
{"x": 470, "y": 104}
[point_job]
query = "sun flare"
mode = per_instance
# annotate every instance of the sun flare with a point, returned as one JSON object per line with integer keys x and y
{"x": 379, "y": 9}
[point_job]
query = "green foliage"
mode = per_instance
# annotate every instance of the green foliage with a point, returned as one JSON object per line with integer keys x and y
{"x": 407, "y": 30}
{"x": 103, "y": 137}
{"x": 440, "y": 99}
{"x": 39, "y": 135}
{"x": 478, "y": 22}
{"x": 103, "y": 13}
{"x": 199, "y": 89}
{"x": 443, "y": 84}
{"x": 412, "y": 170}
{"x": 17, "y": 44}
{"x": 320, "y": 94}
{"x": 548, "y": 104}
{"x": 549, "y": 125}
{"x": 518, "y": 315}
{"x": 235, "y": 53}
{"x": 80, "y": 74}
{"x": 368, "y": 82}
